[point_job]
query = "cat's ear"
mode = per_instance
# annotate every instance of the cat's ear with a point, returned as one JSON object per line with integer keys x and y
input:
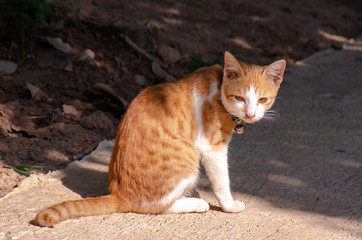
{"x": 275, "y": 71}
{"x": 232, "y": 67}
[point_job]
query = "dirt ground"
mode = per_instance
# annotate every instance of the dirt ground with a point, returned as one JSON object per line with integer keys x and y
{"x": 180, "y": 35}
{"x": 315, "y": 174}
{"x": 300, "y": 177}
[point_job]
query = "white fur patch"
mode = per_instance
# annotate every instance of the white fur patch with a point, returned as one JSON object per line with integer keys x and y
{"x": 198, "y": 101}
{"x": 251, "y": 101}
{"x": 213, "y": 90}
{"x": 187, "y": 205}
{"x": 179, "y": 190}
{"x": 177, "y": 193}
{"x": 215, "y": 162}
{"x": 201, "y": 142}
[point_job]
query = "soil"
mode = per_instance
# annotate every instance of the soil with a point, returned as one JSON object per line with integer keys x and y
{"x": 312, "y": 178}
{"x": 300, "y": 177}
{"x": 41, "y": 131}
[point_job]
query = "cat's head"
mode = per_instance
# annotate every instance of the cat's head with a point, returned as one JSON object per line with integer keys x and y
{"x": 249, "y": 91}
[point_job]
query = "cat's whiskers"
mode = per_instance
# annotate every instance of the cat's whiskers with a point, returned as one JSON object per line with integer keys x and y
{"x": 271, "y": 115}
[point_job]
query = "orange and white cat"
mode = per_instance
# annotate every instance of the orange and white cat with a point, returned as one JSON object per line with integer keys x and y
{"x": 168, "y": 130}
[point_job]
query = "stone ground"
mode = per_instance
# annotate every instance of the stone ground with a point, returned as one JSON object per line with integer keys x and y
{"x": 300, "y": 177}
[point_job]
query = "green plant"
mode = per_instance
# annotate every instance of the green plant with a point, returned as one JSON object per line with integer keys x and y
{"x": 197, "y": 62}
{"x": 27, "y": 16}
{"x": 19, "y": 169}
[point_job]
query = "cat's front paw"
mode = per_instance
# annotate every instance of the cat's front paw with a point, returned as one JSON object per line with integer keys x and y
{"x": 234, "y": 207}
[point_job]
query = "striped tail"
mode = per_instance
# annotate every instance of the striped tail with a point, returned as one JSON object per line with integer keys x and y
{"x": 77, "y": 208}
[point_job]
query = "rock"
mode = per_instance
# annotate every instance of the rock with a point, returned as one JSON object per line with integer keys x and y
{"x": 169, "y": 54}
{"x": 85, "y": 54}
{"x": 142, "y": 81}
{"x": 7, "y": 67}
{"x": 58, "y": 44}
{"x": 69, "y": 109}
{"x": 5, "y": 126}
{"x": 8, "y": 180}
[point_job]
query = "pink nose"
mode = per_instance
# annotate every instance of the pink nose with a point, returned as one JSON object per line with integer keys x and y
{"x": 250, "y": 116}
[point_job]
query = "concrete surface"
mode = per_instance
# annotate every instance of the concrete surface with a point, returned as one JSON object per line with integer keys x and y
{"x": 300, "y": 177}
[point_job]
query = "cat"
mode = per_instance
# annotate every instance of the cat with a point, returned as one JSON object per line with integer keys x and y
{"x": 168, "y": 130}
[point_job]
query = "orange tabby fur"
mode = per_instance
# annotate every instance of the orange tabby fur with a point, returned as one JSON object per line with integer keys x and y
{"x": 161, "y": 138}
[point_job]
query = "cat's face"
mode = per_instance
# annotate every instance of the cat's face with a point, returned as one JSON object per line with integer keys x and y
{"x": 249, "y": 91}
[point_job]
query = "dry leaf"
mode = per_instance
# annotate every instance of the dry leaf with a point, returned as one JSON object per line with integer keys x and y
{"x": 40, "y": 132}
{"x": 78, "y": 55}
{"x": 69, "y": 67}
{"x": 108, "y": 92}
{"x": 6, "y": 77}
{"x": 85, "y": 54}
{"x": 89, "y": 53}
{"x": 36, "y": 93}
{"x": 7, "y": 67}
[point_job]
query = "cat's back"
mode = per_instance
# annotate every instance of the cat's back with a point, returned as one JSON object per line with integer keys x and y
{"x": 173, "y": 100}
{"x": 164, "y": 112}
{"x": 182, "y": 90}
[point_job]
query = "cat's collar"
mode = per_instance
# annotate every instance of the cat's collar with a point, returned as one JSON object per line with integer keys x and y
{"x": 240, "y": 126}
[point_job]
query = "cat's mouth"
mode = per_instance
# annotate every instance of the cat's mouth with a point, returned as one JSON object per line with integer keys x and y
{"x": 244, "y": 119}
{"x": 250, "y": 120}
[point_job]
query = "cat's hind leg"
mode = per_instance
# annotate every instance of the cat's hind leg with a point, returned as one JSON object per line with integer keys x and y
{"x": 188, "y": 205}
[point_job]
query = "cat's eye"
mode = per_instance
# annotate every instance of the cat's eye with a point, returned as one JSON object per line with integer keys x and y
{"x": 262, "y": 100}
{"x": 240, "y": 99}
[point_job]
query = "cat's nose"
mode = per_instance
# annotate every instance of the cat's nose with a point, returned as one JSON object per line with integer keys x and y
{"x": 250, "y": 115}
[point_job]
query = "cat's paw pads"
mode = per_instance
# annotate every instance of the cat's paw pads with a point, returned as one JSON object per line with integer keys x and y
{"x": 235, "y": 207}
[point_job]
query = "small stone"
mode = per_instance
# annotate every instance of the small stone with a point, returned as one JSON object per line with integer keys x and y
{"x": 169, "y": 54}
{"x": 69, "y": 109}
{"x": 142, "y": 81}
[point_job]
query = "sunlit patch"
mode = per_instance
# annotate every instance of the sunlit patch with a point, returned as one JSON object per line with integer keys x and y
{"x": 258, "y": 19}
{"x": 285, "y": 180}
{"x": 278, "y": 164}
{"x": 346, "y": 163}
{"x": 173, "y": 21}
{"x": 332, "y": 37}
{"x": 55, "y": 155}
{"x": 297, "y": 146}
{"x": 242, "y": 43}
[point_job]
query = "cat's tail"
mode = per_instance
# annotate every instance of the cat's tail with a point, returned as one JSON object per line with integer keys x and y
{"x": 72, "y": 209}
